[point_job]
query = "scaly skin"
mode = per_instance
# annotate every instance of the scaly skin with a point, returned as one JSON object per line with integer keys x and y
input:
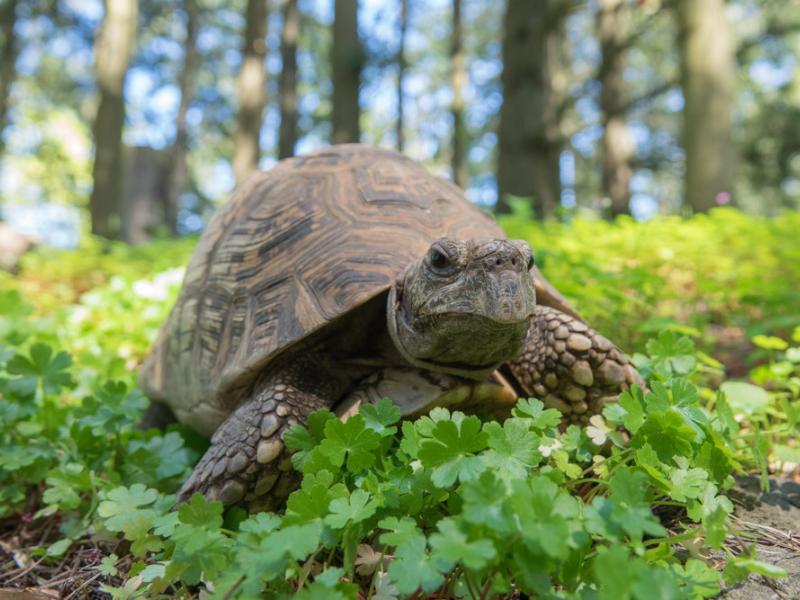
{"x": 571, "y": 367}
{"x": 247, "y": 459}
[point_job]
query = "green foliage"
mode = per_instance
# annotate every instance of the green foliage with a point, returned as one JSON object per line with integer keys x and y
{"x": 444, "y": 504}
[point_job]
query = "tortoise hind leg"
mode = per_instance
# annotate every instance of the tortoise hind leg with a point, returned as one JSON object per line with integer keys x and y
{"x": 571, "y": 367}
{"x": 247, "y": 460}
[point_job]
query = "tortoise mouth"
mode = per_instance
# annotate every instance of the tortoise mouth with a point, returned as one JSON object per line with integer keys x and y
{"x": 457, "y": 343}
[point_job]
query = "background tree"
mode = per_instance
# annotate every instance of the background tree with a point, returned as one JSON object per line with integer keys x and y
{"x": 401, "y": 75}
{"x": 347, "y": 59}
{"x": 568, "y": 114}
{"x": 708, "y": 81}
{"x": 8, "y": 60}
{"x": 458, "y": 80}
{"x": 112, "y": 52}
{"x": 252, "y": 86}
{"x": 613, "y": 28}
{"x": 530, "y": 139}
{"x": 287, "y": 137}
{"x": 178, "y": 168}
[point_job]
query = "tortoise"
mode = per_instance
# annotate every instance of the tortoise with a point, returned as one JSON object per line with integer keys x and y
{"x": 344, "y": 276}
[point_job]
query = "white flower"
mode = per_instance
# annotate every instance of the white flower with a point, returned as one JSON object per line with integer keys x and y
{"x": 598, "y": 430}
{"x": 548, "y": 449}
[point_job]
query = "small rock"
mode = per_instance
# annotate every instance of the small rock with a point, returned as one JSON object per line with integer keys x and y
{"x": 551, "y": 381}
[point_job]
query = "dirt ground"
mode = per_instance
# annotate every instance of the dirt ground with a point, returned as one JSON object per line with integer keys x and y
{"x": 776, "y": 515}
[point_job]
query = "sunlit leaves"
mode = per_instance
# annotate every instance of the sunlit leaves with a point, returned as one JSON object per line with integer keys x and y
{"x": 42, "y": 367}
{"x": 351, "y": 440}
{"x": 450, "y": 450}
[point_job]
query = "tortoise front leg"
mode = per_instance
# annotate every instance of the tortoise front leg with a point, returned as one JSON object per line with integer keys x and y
{"x": 571, "y": 367}
{"x": 247, "y": 459}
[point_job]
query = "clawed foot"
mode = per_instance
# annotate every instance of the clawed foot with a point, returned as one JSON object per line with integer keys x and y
{"x": 571, "y": 367}
{"x": 247, "y": 458}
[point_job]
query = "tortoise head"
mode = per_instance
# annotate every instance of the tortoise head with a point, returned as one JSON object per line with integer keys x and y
{"x": 465, "y": 307}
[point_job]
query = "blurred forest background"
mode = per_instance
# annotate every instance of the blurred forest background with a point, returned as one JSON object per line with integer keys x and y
{"x": 133, "y": 119}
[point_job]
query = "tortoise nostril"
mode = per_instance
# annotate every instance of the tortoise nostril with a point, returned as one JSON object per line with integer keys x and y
{"x": 514, "y": 262}
{"x": 497, "y": 262}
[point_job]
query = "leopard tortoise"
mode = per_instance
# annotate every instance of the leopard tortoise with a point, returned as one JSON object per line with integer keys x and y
{"x": 349, "y": 275}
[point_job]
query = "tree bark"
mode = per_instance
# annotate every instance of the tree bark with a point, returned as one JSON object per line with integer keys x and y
{"x": 178, "y": 171}
{"x": 145, "y": 185}
{"x": 458, "y": 80}
{"x": 708, "y": 81}
{"x": 113, "y": 50}
{"x": 401, "y": 74}
{"x": 8, "y": 60}
{"x": 529, "y": 137}
{"x": 347, "y": 59}
{"x": 287, "y": 85}
{"x": 252, "y": 91}
{"x": 613, "y": 31}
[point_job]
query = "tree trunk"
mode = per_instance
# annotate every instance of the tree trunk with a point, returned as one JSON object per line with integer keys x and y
{"x": 529, "y": 137}
{"x": 618, "y": 147}
{"x": 8, "y": 60}
{"x": 401, "y": 74}
{"x": 112, "y": 52}
{"x": 177, "y": 170}
{"x": 252, "y": 91}
{"x": 347, "y": 58}
{"x": 458, "y": 80}
{"x": 287, "y": 85}
{"x": 708, "y": 80}
{"x": 145, "y": 185}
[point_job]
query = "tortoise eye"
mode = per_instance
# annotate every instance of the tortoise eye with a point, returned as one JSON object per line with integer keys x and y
{"x": 531, "y": 262}
{"x": 438, "y": 259}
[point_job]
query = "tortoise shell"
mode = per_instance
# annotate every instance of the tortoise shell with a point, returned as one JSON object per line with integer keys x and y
{"x": 294, "y": 249}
